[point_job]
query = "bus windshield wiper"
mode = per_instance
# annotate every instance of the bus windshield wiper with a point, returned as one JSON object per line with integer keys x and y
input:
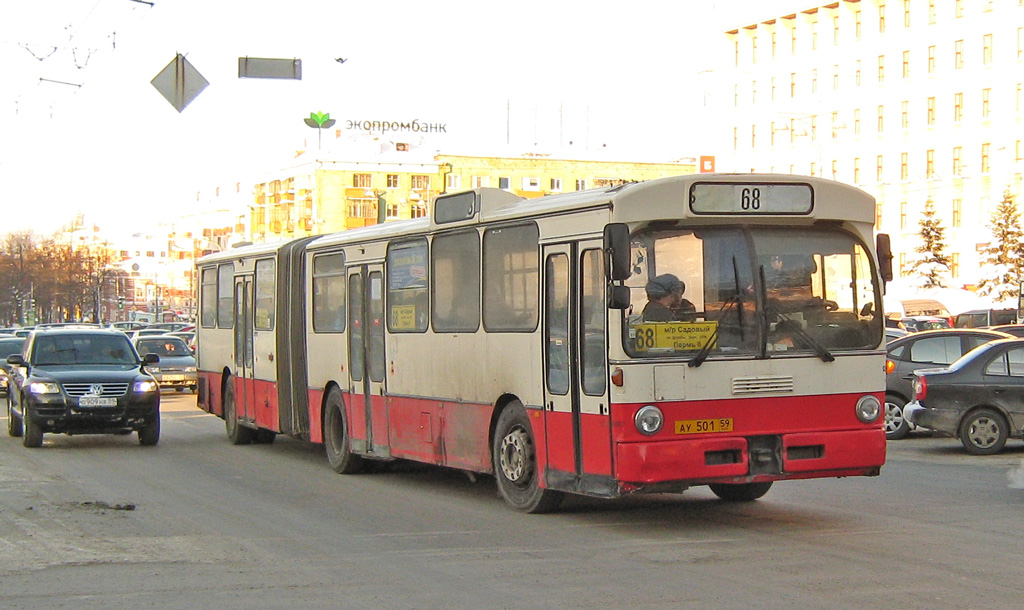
{"x": 794, "y": 327}
{"x": 737, "y": 300}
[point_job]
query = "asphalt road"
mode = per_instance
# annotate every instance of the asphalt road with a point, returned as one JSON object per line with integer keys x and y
{"x": 101, "y": 522}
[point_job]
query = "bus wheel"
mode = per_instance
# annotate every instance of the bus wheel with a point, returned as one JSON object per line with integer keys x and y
{"x": 237, "y": 434}
{"x": 515, "y": 464}
{"x": 264, "y": 436}
{"x": 336, "y": 437}
{"x": 740, "y": 492}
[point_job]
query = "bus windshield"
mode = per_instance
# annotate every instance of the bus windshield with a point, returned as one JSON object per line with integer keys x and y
{"x": 755, "y": 292}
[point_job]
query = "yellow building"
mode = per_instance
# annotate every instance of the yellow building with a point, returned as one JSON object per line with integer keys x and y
{"x": 328, "y": 195}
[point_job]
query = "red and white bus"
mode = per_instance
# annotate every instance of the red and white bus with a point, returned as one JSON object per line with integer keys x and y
{"x": 509, "y": 336}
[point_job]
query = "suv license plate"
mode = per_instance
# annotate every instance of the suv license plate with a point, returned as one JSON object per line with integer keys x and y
{"x": 96, "y": 401}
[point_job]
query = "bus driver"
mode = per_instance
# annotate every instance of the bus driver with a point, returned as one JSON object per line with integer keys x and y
{"x": 665, "y": 302}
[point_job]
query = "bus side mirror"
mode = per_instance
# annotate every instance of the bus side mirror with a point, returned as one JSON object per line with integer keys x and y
{"x": 618, "y": 297}
{"x": 884, "y": 251}
{"x": 616, "y": 247}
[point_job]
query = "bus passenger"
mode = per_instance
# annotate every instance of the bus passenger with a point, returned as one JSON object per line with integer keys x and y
{"x": 665, "y": 302}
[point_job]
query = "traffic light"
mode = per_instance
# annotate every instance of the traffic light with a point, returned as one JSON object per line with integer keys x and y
{"x": 120, "y": 302}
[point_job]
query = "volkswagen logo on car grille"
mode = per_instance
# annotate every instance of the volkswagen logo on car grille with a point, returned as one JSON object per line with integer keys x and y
{"x": 95, "y": 390}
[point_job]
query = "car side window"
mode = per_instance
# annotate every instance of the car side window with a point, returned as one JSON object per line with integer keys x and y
{"x": 897, "y": 353}
{"x": 997, "y": 366}
{"x": 1015, "y": 358}
{"x": 973, "y": 342}
{"x": 937, "y": 350}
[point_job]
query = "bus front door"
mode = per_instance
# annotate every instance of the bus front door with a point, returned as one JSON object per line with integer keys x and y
{"x": 576, "y": 369}
{"x": 243, "y": 380}
{"x": 367, "y": 404}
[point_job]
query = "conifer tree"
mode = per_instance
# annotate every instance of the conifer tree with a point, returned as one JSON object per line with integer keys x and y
{"x": 931, "y": 267}
{"x": 1002, "y": 262}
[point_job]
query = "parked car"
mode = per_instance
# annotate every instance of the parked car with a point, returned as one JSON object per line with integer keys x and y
{"x": 1017, "y": 330}
{"x": 894, "y": 333}
{"x": 978, "y": 399}
{"x": 9, "y": 344}
{"x": 925, "y": 349}
{"x": 177, "y": 367}
{"x": 986, "y": 317}
{"x": 82, "y": 381}
{"x": 130, "y": 325}
{"x": 918, "y": 323}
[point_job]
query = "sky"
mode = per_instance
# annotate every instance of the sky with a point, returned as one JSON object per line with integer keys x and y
{"x": 82, "y": 130}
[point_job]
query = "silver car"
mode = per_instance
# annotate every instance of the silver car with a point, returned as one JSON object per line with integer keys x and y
{"x": 177, "y": 366}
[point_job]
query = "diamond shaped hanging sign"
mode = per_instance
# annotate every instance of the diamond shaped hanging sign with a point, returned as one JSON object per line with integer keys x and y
{"x": 179, "y": 82}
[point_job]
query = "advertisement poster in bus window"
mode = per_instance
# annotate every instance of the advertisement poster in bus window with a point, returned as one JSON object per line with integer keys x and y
{"x": 408, "y": 268}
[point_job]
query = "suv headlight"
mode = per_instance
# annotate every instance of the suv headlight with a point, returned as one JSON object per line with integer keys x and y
{"x": 146, "y": 386}
{"x": 43, "y": 387}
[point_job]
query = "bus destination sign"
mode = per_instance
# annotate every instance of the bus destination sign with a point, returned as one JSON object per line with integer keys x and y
{"x": 750, "y": 198}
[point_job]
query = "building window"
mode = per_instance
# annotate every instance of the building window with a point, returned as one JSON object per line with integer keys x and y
{"x": 363, "y": 181}
{"x": 958, "y": 107}
{"x": 735, "y": 96}
{"x": 931, "y": 12}
{"x": 753, "y": 49}
{"x": 904, "y": 166}
{"x": 773, "y": 88}
{"x": 774, "y": 43}
{"x": 835, "y": 169}
{"x": 835, "y": 30}
{"x": 531, "y": 184}
{"x": 452, "y": 182}
{"x": 481, "y": 182}
{"x": 392, "y": 181}
{"x": 881, "y": 68}
{"x": 878, "y": 168}
{"x": 929, "y": 164}
{"x": 417, "y": 210}
{"x": 835, "y": 77}
{"x": 986, "y": 95}
{"x": 906, "y": 13}
{"x": 856, "y": 78}
{"x": 903, "y": 217}
{"x": 420, "y": 182}
{"x": 792, "y": 84}
{"x": 856, "y": 170}
{"x": 736, "y": 52}
{"x": 931, "y": 111}
{"x": 906, "y": 64}
{"x": 856, "y": 121}
{"x": 881, "y": 117}
{"x": 581, "y": 185}
{"x": 1018, "y": 149}
{"x": 1017, "y": 99}
{"x": 957, "y": 212}
{"x": 931, "y": 59}
{"x": 985, "y": 168}
{"x": 954, "y": 264}
{"x": 504, "y": 182}
{"x": 753, "y": 92}
{"x": 881, "y": 18}
{"x": 814, "y": 35}
{"x": 958, "y": 55}
{"x": 555, "y": 185}
{"x": 986, "y": 45}
{"x": 856, "y": 24}
{"x": 958, "y": 8}
{"x": 753, "y": 136}
{"x": 878, "y": 215}
{"x": 905, "y": 114}
{"x": 957, "y": 160}
{"x": 1020, "y": 43}
{"x": 814, "y": 80}
{"x": 792, "y": 41}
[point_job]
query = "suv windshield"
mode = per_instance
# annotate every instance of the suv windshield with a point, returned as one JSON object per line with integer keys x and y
{"x": 82, "y": 349}
{"x": 754, "y": 292}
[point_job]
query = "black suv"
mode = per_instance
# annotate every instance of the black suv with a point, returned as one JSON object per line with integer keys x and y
{"x": 82, "y": 381}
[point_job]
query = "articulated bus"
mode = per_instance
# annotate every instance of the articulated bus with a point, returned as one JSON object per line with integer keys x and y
{"x": 514, "y": 337}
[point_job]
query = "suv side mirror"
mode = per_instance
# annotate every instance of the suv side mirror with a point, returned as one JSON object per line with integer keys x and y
{"x": 16, "y": 360}
{"x": 150, "y": 359}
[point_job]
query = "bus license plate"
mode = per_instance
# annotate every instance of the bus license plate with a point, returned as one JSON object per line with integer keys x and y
{"x": 96, "y": 401}
{"x": 703, "y": 426}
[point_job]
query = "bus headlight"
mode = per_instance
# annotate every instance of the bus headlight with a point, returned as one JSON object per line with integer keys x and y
{"x": 649, "y": 420}
{"x": 868, "y": 408}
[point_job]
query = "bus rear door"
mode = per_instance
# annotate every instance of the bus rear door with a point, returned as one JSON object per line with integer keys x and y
{"x": 576, "y": 362}
{"x": 367, "y": 405}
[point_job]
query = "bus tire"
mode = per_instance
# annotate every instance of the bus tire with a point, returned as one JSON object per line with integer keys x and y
{"x": 237, "y": 433}
{"x": 740, "y": 492}
{"x": 337, "y": 441}
{"x": 515, "y": 464}
{"x": 264, "y": 436}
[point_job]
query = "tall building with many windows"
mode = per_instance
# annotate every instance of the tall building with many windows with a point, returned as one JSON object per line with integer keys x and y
{"x": 911, "y": 100}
